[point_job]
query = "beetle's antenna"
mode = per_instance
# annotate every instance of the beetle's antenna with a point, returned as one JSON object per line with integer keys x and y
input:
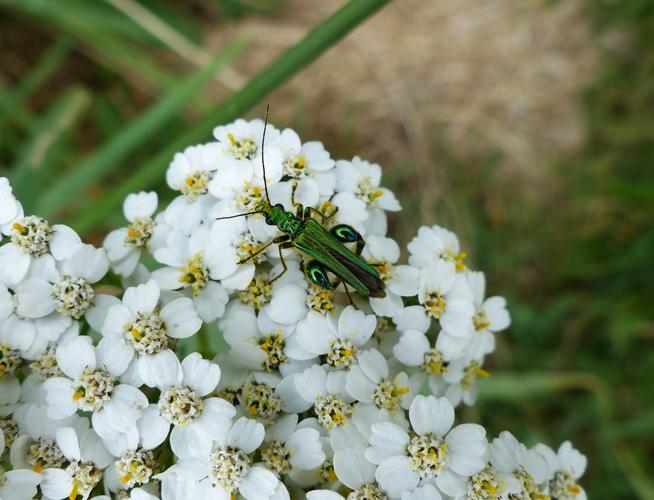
{"x": 238, "y": 215}
{"x": 263, "y": 142}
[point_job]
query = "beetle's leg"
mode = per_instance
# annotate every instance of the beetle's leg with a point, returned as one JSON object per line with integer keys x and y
{"x": 293, "y": 189}
{"x": 280, "y": 239}
{"x": 347, "y": 292}
{"x": 310, "y": 210}
{"x": 347, "y": 234}
{"x": 286, "y": 243}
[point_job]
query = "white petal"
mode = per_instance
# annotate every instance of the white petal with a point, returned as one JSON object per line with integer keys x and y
{"x": 352, "y": 468}
{"x": 210, "y": 302}
{"x": 373, "y": 364}
{"x": 246, "y": 434}
{"x": 142, "y": 298}
{"x": 141, "y": 204}
{"x": 56, "y": 483}
{"x": 395, "y": 476}
{"x": 167, "y": 278}
{"x": 199, "y": 374}
{"x": 187, "y": 442}
{"x": 20, "y": 484}
{"x": 181, "y": 319}
{"x": 411, "y": 348}
{"x": 86, "y": 262}
{"x": 76, "y": 355}
{"x": 387, "y": 439}
{"x": 34, "y": 298}
{"x": 323, "y": 495}
{"x": 96, "y": 314}
{"x": 114, "y": 354}
{"x": 160, "y": 370}
{"x": 259, "y": 484}
{"x": 9, "y": 390}
{"x": 153, "y": 428}
{"x": 426, "y": 492}
{"x": 429, "y": 414}
{"x": 467, "y": 447}
{"x": 68, "y": 444}
{"x": 117, "y": 317}
{"x": 216, "y": 418}
{"x": 314, "y": 334}
{"x": 306, "y": 449}
{"x": 14, "y": 264}
{"x": 64, "y": 241}
{"x": 388, "y": 306}
{"x": 17, "y": 333}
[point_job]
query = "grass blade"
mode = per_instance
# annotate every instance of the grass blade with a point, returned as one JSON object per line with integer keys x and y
{"x": 290, "y": 62}
{"x": 42, "y": 70}
{"x": 126, "y": 141}
{"x": 58, "y": 119}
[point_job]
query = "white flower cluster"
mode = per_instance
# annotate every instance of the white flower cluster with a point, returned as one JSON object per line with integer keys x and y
{"x": 323, "y": 392}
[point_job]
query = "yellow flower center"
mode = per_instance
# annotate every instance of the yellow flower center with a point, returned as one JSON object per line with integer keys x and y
{"x": 194, "y": 273}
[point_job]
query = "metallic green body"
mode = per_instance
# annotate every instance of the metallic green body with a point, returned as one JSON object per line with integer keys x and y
{"x": 308, "y": 236}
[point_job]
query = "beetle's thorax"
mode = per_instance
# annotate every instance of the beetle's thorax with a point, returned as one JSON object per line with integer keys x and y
{"x": 276, "y": 215}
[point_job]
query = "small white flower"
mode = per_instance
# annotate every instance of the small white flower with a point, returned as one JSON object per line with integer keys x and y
{"x": 308, "y": 167}
{"x": 447, "y": 298}
{"x": 339, "y": 342}
{"x": 362, "y": 179}
{"x": 435, "y": 243}
{"x": 86, "y": 460}
{"x": 191, "y": 269}
{"x": 259, "y": 398}
{"x": 491, "y": 315}
{"x": 140, "y": 329}
{"x": 124, "y": 246}
{"x": 521, "y": 470}
{"x": 462, "y": 374}
{"x": 241, "y": 144}
{"x": 370, "y": 381}
{"x": 401, "y": 281}
{"x": 90, "y": 385}
{"x": 136, "y": 463}
{"x": 565, "y": 467}
{"x": 414, "y": 349}
{"x": 191, "y": 172}
{"x": 228, "y": 467}
{"x": 432, "y": 452}
{"x": 359, "y": 180}
{"x": 357, "y": 473}
{"x": 322, "y": 391}
{"x": 32, "y": 237}
{"x": 196, "y": 418}
{"x": 73, "y": 293}
{"x": 289, "y": 446}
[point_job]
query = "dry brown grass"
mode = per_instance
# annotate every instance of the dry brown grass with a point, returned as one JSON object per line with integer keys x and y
{"x": 492, "y": 75}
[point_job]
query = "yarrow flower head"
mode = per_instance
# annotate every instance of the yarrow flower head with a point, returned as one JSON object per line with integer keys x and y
{"x": 258, "y": 337}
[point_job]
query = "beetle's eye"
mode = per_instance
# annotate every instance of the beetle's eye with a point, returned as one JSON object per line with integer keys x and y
{"x": 269, "y": 221}
{"x": 279, "y": 205}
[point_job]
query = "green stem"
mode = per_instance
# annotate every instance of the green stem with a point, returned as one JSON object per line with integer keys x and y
{"x": 290, "y": 62}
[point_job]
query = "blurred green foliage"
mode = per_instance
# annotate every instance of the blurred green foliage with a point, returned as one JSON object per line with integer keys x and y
{"x": 575, "y": 264}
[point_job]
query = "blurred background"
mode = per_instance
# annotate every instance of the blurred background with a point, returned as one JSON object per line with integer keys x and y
{"x": 525, "y": 126}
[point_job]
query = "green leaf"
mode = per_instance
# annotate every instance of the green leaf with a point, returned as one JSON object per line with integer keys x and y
{"x": 290, "y": 62}
{"x": 132, "y": 137}
{"x": 526, "y": 386}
